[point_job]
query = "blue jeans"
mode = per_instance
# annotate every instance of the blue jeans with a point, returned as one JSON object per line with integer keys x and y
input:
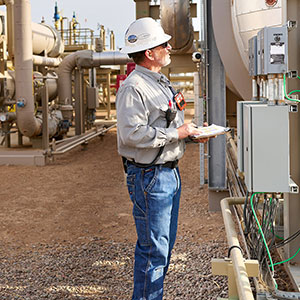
{"x": 155, "y": 193}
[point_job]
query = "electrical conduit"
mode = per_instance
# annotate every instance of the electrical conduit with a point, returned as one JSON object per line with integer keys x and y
{"x": 239, "y": 268}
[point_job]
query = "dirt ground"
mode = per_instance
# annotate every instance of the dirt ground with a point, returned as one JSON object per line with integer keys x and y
{"x": 82, "y": 196}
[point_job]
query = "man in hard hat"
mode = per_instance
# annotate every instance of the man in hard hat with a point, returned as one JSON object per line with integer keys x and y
{"x": 151, "y": 140}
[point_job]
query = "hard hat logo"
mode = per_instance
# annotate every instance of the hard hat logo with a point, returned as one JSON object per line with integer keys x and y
{"x": 143, "y": 34}
{"x": 132, "y": 38}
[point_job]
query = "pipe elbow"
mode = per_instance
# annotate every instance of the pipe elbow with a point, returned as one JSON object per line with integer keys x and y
{"x": 28, "y": 124}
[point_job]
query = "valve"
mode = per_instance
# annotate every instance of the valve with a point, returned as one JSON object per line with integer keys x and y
{"x": 21, "y": 102}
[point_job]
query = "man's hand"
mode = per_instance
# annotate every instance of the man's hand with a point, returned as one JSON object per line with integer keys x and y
{"x": 202, "y": 140}
{"x": 186, "y": 130}
{"x": 190, "y": 129}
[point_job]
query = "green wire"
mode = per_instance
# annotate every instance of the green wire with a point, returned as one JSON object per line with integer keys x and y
{"x": 263, "y": 237}
{"x": 279, "y": 237}
{"x": 292, "y": 92}
{"x": 284, "y": 88}
{"x": 281, "y": 262}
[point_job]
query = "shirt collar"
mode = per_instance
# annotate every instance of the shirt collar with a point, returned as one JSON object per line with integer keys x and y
{"x": 156, "y": 76}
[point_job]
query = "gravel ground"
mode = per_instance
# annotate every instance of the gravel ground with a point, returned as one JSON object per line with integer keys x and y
{"x": 103, "y": 270}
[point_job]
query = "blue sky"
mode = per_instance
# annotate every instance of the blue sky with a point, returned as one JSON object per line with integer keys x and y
{"x": 115, "y": 15}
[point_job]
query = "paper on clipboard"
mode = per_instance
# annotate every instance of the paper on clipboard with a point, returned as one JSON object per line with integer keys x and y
{"x": 209, "y": 131}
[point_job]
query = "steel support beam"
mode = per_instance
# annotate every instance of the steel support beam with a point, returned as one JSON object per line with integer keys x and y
{"x": 216, "y": 102}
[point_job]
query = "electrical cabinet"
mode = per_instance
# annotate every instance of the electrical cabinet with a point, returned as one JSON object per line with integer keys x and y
{"x": 266, "y": 148}
{"x": 272, "y": 50}
{"x": 92, "y": 98}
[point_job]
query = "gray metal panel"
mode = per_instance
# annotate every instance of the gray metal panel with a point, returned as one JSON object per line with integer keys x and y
{"x": 267, "y": 148}
{"x": 252, "y": 51}
{"x": 247, "y": 147}
{"x": 92, "y": 98}
{"x": 258, "y": 49}
{"x": 216, "y": 111}
{"x": 273, "y": 50}
{"x": 240, "y": 131}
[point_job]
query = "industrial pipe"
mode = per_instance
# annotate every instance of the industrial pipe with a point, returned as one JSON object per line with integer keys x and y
{"x": 176, "y": 21}
{"x": 10, "y": 25}
{"x": 51, "y": 79}
{"x": 47, "y": 40}
{"x": 239, "y": 268}
{"x": 79, "y": 141}
{"x": 46, "y": 61}
{"x": 28, "y": 124}
{"x": 84, "y": 59}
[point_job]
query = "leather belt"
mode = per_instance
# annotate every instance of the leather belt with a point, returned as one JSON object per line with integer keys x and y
{"x": 168, "y": 164}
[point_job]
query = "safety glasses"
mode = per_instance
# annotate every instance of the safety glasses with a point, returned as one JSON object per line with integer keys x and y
{"x": 164, "y": 45}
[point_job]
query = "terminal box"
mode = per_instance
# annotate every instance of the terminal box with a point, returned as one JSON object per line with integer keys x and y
{"x": 264, "y": 149}
{"x": 272, "y": 50}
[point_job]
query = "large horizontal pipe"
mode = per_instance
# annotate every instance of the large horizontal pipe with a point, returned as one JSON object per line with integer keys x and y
{"x": 84, "y": 59}
{"x": 46, "y": 40}
{"x": 46, "y": 61}
{"x": 239, "y": 268}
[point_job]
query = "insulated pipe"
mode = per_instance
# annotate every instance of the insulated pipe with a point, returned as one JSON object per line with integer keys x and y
{"x": 176, "y": 21}
{"x": 84, "y": 59}
{"x": 239, "y": 268}
{"x": 46, "y": 61}
{"x": 46, "y": 39}
{"x": 51, "y": 79}
{"x": 27, "y": 123}
{"x": 10, "y": 25}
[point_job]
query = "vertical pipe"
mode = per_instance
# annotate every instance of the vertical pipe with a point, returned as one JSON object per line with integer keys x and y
{"x": 82, "y": 108}
{"x": 112, "y": 41}
{"x": 45, "y": 112}
{"x": 280, "y": 89}
{"x": 254, "y": 89}
{"x": 108, "y": 96}
{"x": 102, "y": 37}
{"x": 78, "y": 104}
{"x": 10, "y": 27}
{"x": 199, "y": 121}
{"x": 27, "y": 123}
{"x": 271, "y": 89}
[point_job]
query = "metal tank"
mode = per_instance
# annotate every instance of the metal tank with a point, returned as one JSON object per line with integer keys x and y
{"x": 236, "y": 21}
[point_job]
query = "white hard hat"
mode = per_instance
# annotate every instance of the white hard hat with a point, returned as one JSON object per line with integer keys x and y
{"x": 143, "y": 34}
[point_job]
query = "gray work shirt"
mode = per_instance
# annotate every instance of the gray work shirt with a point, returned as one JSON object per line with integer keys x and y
{"x": 141, "y": 103}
